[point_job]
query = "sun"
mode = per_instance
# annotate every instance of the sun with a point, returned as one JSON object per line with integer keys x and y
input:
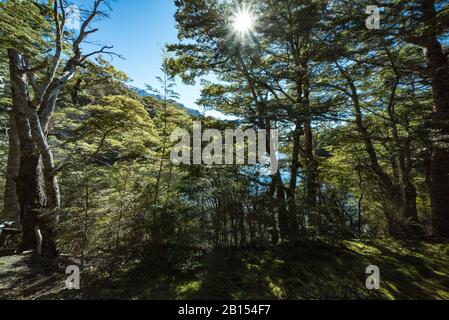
{"x": 243, "y": 22}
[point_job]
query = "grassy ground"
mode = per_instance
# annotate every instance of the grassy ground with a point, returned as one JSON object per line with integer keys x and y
{"x": 311, "y": 270}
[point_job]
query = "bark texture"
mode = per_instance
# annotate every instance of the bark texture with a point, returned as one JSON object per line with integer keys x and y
{"x": 11, "y": 202}
{"x": 439, "y": 175}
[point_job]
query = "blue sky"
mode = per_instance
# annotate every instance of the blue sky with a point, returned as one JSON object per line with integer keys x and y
{"x": 138, "y": 29}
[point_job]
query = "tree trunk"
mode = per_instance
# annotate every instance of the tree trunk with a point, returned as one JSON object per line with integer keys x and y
{"x": 403, "y": 162}
{"x": 37, "y": 187}
{"x": 11, "y": 203}
{"x": 50, "y": 180}
{"x": 392, "y": 194}
{"x": 274, "y": 232}
{"x": 47, "y": 224}
{"x": 409, "y": 193}
{"x": 439, "y": 176}
{"x": 283, "y": 213}
{"x": 291, "y": 194}
{"x": 310, "y": 164}
{"x": 242, "y": 228}
{"x": 28, "y": 187}
{"x": 295, "y": 156}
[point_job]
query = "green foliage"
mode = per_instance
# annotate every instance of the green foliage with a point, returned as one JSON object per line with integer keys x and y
{"x": 118, "y": 123}
{"x": 23, "y": 24}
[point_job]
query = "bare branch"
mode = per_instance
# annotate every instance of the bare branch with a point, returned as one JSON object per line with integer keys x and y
{"x": 65, "y": 162}
{"x": 40, "y": 67}
{"x": 83, "y": 31}
{"x": 102, "y": 50}
{"x": 59, "y": 25}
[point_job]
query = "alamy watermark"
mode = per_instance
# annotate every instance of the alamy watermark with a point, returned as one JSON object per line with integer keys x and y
{"x": 373, "y": 20}
{"x": 260, "y": 147}
{"x": 373, "y": 280}
{"x": 73, "y": 17}
{"x": 73, "y": 281}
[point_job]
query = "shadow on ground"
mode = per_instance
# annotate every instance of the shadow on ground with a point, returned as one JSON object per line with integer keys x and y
{"x": 307, "y": 270}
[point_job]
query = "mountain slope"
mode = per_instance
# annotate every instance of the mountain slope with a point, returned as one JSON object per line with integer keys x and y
{"x": 144, "y": 93}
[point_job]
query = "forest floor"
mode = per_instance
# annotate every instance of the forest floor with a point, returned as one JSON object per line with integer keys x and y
{"x": 309, "y": 270}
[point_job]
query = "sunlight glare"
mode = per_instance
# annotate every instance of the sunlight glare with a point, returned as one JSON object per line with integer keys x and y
{"x": 243, "y": 22}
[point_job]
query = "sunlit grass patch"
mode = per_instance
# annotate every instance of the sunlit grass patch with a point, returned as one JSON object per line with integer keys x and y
{"x": 187, "y": 289}
{"x": 362, "y": 248}
{"x": 275, "y": 288}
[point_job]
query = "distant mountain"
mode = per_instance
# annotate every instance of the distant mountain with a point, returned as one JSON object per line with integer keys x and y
{"x": 144, "y": 93}
{"x": 140, "y": 92}
{"x": 192, "y": 112}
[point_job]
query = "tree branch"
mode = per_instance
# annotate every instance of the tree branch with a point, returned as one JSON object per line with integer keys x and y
{"x": 102, "y": 50}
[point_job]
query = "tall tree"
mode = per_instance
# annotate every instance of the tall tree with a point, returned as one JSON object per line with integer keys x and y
{"x": 36, "y": 82}
{"x": 424, "y": 23}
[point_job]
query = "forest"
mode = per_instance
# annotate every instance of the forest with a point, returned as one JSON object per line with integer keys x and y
{"x": 357, "y": 90}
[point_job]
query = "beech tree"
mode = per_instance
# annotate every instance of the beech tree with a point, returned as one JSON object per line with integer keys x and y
{"x": 422, "y": 24}
{"x": 36, "y": 82}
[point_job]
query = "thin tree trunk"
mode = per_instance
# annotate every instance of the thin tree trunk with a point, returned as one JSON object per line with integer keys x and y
{"x": 403, "y": 156}
{"x": 242, "y": 227}
{"x": 403, "y": 159}
{"x": 283, "y": 213}
{"x": 310, "y": 164}
{"x": 409, "y": 190}
{"x": 274, "y": 231}
{"x": 360, "y": 203}
{"x": 391, "y": 193}
{"x": 291, "y": 194}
